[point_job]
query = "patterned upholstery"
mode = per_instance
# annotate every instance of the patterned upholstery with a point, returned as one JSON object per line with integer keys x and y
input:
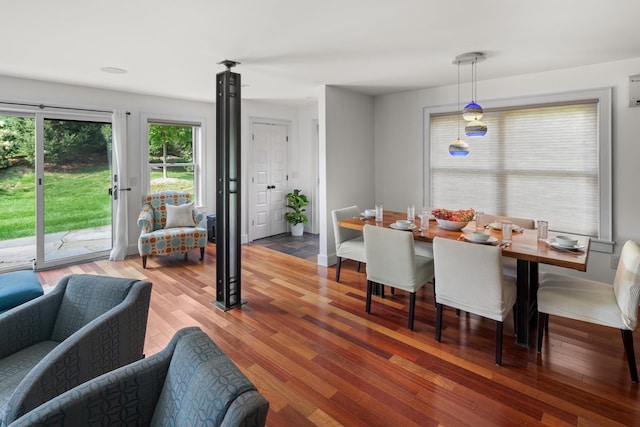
{"x": 189, "y": 383}
{"x": 86, "y": 326}
{"x": 155, "y": 239}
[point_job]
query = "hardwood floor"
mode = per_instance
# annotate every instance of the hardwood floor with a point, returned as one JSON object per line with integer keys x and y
{"x": 312, "y": 351}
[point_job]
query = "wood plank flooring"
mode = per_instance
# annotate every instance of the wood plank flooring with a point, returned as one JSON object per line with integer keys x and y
{"x": 312, "y": 351}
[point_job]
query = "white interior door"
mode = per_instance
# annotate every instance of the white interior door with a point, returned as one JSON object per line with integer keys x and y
{"x": 269, "y": 179}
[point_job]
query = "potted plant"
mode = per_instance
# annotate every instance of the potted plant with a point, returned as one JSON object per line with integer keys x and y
{"x": 296, "y": 201}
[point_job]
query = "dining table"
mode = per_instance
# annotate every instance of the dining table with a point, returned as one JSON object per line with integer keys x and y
{"x": 525, "y": 247}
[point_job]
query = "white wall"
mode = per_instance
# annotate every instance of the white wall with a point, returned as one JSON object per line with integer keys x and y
{"x": 346, "y": 122}
{"x": 301, "y": 119}
{"x": 399, "y": 140}
{"x": 38, "y": 92}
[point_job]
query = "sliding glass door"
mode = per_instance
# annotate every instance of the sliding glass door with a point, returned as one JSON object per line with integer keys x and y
{"x": 76, "y": 176}
{"x": 60, "y": 210}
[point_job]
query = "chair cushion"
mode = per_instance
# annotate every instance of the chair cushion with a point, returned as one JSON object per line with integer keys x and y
{"x": 579, "y": 299}
{"x": 18, "y": 287}
{"x": 352, "y": 249}
{"x": 180, "y": 216}
{"x": 15, "y": 367}
{"x": 87, "y": 297}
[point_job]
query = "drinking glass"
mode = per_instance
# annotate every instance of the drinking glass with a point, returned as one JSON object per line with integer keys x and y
{"x": 480, "y": 221}
{"x": 379, "y": 213}
{"x": 543, "y": 229}
{"x": 411, "y": 212}
{"x": 424, "y": 220}
{"x": 507, "y": 230}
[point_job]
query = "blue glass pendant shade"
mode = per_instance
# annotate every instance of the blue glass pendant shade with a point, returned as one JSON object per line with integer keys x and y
{"x": 472, "y": 111}
{"x": 458, "y": 148}
{"x": 475, "y": 128}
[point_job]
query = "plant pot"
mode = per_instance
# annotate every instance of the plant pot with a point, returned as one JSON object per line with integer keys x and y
{"x": 297, "y": 230}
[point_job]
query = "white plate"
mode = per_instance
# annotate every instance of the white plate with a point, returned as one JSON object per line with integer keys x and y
{"x": 411, "y": 227}
{"x": 498, "y": 226}
{"x": 556, "y": 245}
{"x": 490, "y": 241}
{"x": 367, "y": 216}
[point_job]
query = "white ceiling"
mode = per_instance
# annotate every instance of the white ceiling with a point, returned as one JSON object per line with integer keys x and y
{"x": 290, "y": 48}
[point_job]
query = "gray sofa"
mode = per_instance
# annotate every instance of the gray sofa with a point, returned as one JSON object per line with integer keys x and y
{"x": 189, "y": 383}
{"x": 86, "y": 326}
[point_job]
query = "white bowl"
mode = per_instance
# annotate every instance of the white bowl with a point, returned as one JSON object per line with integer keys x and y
{"x": 370, "y": 213}
{"x": 451, "y": 225}
{"x": 403, "y": 223}
{"x": 480, "y": 236}
{"x": 566, "y": 241}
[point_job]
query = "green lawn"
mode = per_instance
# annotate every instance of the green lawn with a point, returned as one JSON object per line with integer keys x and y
{"x": 73, "y": 200}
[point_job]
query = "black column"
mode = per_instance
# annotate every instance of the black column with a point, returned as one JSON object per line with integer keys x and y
{"x": 228, "y": 287}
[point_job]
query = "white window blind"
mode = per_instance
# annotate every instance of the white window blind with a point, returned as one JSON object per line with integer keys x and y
{"x": 539, "y": 162}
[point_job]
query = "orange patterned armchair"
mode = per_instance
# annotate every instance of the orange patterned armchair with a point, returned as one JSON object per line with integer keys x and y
{"x": 170, "y": 224}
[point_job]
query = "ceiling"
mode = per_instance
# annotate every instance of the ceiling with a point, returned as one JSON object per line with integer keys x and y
{"x": 290, "y": 48}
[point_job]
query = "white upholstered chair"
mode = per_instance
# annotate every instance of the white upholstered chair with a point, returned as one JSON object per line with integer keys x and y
{"x": 469, "y": 277}
{"x": 391, "y": 260}
{"x": 510, "y": 264}
{"x": 526, "y": 223}
{"x": 596, "y": 302}
{"x": 349, "y": 243}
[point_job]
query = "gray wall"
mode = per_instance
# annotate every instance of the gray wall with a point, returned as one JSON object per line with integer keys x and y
{"x": 399, "y": 130}
{"x": 346, "y": 159}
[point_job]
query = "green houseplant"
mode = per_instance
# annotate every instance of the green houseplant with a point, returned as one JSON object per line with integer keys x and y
{"x": 296, "y": 201}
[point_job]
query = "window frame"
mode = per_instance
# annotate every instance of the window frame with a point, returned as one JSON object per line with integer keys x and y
{"x": 199, "y": 149}
{"x": 604, "y": 242}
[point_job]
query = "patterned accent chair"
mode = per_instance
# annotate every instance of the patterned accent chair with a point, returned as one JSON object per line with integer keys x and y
{"x": 189, "y": 383}
{"x": 161, "y": 237}
{"x": 86, "y": 326}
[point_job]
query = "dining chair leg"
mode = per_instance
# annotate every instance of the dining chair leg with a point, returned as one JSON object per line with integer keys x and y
{"x": 368, "y": 300}
{"x": 338, "y": 265}
{"x": 358, "y": 266}
{"x": 434, "y": 294}
{"x": 201, "y": 254}
{"x": 543, "y": 319}
{"x": 627, "y": 340}
{"x": 458, "y": 312}
{"x": 438, "y": 321}
{"x": 498, "y": 343}
{"x": 514, "y": 312}
{"x": 412, "y": 309}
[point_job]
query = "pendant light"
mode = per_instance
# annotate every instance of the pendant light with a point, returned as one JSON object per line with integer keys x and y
{"x": 458, "y": 147}
{"x": 472, "y": 112}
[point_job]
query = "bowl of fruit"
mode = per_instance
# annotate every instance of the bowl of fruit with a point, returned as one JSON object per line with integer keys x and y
{"x": 453, "y": 220}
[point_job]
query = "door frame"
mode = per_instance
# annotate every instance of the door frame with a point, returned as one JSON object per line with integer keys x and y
{"x": 250, "y": 171}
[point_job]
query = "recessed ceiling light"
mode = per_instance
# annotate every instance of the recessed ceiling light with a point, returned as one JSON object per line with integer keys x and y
{"x": 113, "y": 70}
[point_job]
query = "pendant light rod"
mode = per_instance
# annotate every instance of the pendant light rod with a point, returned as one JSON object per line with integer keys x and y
{"x": 469, "y": 58}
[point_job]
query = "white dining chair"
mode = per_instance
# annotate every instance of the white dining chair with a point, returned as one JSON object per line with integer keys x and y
{"x": 392, "y": 261}
{"x": 525, "y": 223}
{"x": 596, "y": 302}
{"x": 349, "y": 243}
{"x": 510, "y": 264}
{"x": 470, "y": 277}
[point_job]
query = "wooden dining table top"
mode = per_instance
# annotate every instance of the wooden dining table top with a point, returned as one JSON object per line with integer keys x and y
{"x": 524, "y": 245}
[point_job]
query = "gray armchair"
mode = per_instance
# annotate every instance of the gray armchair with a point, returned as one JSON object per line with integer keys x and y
{"x": 189, "y": 383}
{"x": 86, "y": 326}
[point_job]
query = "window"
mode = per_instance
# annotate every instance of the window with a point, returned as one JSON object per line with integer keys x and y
{"x": 547, "y": 158}
{"x": 172, "y": 155}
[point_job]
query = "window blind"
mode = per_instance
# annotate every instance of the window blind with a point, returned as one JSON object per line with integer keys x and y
{"x": 538, "y": 162}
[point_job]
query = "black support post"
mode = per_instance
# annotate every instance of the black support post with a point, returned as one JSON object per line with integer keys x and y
{"x": 228, "y": 284}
